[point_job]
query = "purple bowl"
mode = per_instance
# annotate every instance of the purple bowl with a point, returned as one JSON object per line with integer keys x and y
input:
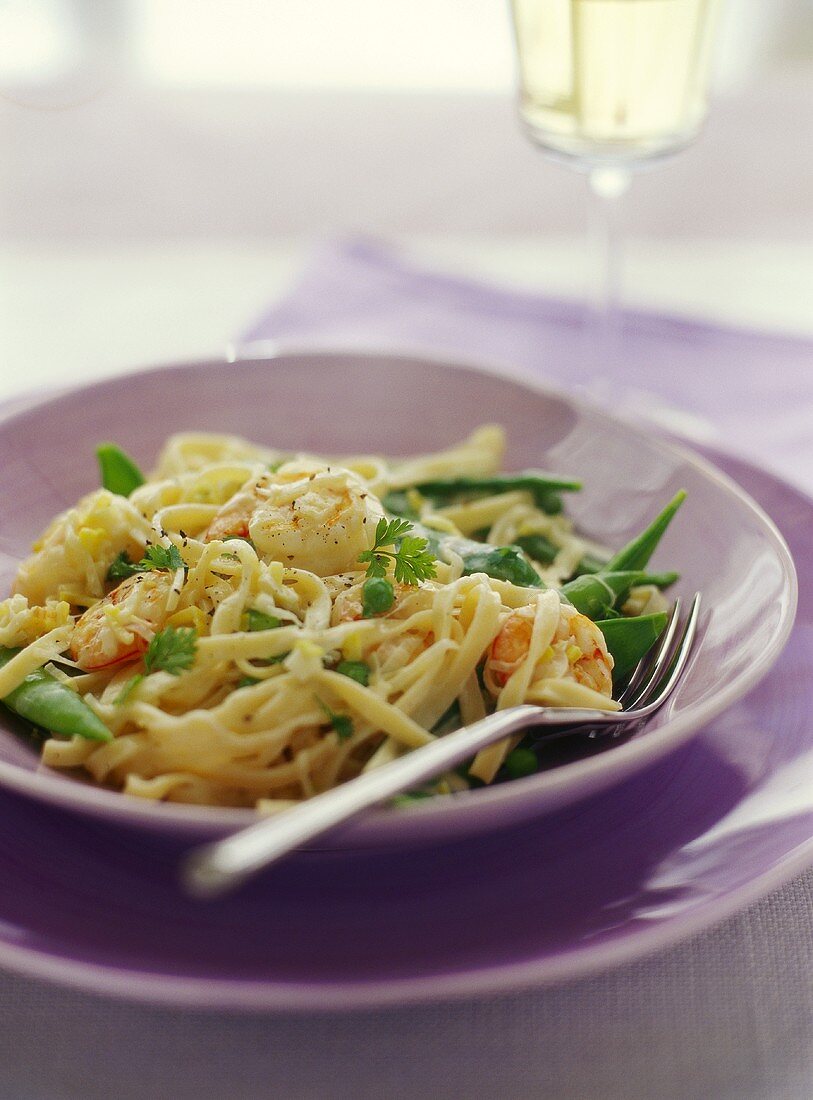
{"x": 679, "y": 845}
{"x": 722, "y": 542}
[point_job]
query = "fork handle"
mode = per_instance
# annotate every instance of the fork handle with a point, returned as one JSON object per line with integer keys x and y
{"x": 215, "y": 868}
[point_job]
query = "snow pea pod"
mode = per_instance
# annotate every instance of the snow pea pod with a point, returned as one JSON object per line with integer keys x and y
{"x": 397, "y": 503}
{"x": 628, "y": 640}
{"x": 43, "y": 700}
{"x": 593, "y": 594}
{"x": 504, "y": 563}
{"x": 543, "y": 487}
{"x": 596, "y": 594}
{"x": 540, "y": 548}
{"x": 589, "y": 564}
{"x": 637, "y": 553}
{"x": 119, "y": 473}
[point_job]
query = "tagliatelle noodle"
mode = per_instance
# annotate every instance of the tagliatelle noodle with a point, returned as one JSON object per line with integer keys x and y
{"x": 265, "y": 717}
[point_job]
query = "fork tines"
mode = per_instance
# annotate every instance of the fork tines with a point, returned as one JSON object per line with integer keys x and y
{"x": 658, "y": 673}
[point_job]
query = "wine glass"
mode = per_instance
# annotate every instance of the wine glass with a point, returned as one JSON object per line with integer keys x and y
{"x": 609, "y": 86}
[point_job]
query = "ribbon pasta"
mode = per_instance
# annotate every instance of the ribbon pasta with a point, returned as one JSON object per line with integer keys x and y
{"x": 267, "y": 717}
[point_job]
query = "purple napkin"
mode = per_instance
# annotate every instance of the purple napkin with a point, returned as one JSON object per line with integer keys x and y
{"x": 748, "y": 392}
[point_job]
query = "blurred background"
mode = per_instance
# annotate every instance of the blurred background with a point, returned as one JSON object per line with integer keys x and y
{"x": 168, "y": 166}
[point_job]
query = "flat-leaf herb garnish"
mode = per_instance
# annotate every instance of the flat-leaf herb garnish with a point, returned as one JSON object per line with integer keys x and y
{"x": 409, "y": 555}
{"x": 172, "y": 650}
{"x": 157, "y": 558}
{"x": 258, "y": 620}
{"x": 342, "y": 723}
{"x": 355, "y": 670}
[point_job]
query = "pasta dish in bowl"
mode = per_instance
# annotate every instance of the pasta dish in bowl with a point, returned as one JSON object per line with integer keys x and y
{"x": 249, "y": 628}
{"x": 255, "y": 622}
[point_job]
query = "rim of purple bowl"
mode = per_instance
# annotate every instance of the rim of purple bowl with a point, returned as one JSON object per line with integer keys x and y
{"x": 241, "y": 995}
{"x": 383, "y": 825}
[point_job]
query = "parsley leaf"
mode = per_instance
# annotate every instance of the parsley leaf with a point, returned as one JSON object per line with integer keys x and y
{"x": 162, "y": 557}
{"x": 388, "y": 530}
{"x": 157, "y": 557}
{"x": 172, "y": 650}
{"x": 258, "y": 620}
{"x": 412, "y": 560}
{"x": 342, "y": 723}
{"x": 356, "y": 670}
{"x": 123, "y": 567}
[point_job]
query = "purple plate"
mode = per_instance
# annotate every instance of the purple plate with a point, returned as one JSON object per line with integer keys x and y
{"x": 699, "y": 833}
{"x": 723, "y": 543}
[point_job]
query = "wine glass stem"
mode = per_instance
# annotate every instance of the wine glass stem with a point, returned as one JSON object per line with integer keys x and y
{"x": 608, "y": 184}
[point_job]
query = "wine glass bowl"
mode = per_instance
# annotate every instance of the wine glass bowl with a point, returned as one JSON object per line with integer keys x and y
{"x": 608, "y": 86}
{"x": 613, "y": 82}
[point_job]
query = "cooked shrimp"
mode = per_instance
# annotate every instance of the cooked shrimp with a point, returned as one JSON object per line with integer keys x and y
{"x": 390, "y": 652}
{"x": 233, "y": 518}
{"x": 577, "y": 652}
{"x": 347, "y": 605}
{"x": 121, "y": 626}
{"x": 304, "y": 514}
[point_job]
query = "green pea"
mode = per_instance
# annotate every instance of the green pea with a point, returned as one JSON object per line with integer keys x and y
{"x": 377, "y": 595}
{"x": 521, "y": 762}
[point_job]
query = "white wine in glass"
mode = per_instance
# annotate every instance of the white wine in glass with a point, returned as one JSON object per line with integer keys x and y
{"x": 613, "y": 81}
{"x": 608, "y": 86}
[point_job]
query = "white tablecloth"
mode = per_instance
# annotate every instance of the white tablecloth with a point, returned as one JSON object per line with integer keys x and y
{"x": 726, "y": 1015}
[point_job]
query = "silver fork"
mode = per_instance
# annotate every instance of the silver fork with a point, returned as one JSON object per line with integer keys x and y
{"x": 214, "y": 869}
